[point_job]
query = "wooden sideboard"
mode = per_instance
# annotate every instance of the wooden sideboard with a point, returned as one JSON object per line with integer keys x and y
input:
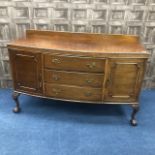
{"x": 80, "y": 67}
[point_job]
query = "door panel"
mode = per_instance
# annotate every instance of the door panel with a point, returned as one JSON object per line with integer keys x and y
{"x": 124, "y": 80}
{"x": 26, "y": 68}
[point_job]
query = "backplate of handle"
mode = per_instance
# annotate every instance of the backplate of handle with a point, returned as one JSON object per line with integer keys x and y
{"x": 56, "y": 61}
{"x": 91, "y": 65}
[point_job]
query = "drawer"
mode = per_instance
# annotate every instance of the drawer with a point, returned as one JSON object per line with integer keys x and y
{"x": 73, "y": 92}
{"x": 74, "y": 78}
{"x": 71, "y": 63}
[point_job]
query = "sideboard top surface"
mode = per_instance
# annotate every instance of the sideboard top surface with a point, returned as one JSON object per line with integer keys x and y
{"x": 83, "y": 42}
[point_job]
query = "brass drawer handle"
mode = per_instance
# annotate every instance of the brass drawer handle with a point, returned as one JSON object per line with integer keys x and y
{"x": 56, "y": 91}
{"x": 91, "y": 65}
{"x": 88, "y": 94}
{"x": 56, "y": 61}
{"x": 89, "y": 81}
{"x": 55, "y": 77}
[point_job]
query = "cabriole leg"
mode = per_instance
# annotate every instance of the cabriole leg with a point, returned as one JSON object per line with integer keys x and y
{"x": 17, "y": 108}
{"x": 133, "y": 120}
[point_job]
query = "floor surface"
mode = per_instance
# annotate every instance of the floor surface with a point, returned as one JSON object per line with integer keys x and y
{"x": 49, "y": 127}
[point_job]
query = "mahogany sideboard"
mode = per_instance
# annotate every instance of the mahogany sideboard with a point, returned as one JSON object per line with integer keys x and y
{"x": 79, "y": 67}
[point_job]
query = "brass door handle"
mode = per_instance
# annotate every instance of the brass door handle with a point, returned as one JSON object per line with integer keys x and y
{"x": 56, "y": 61}
{"x": 108, "y": 82}
{"x": 40, "y": 84}
{"x": 91, "y": 65}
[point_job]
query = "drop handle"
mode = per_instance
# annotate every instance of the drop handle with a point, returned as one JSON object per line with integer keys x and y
{"x": 91, "y": 65}
{"x": 88, "y": 94}
{"x": 56, "y": 91}
{"x": 89, "y": 81}
{"x": 55, "y": 77}
{"x": 56, "y": 61}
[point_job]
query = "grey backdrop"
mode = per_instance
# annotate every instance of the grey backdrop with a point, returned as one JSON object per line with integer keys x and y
{"x": 93, "y": 16}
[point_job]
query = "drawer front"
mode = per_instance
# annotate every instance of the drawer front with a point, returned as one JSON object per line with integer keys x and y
{"x": 74, "y": 78}
{"x": 72, "y": 92}
{"x": 74, "y": 63}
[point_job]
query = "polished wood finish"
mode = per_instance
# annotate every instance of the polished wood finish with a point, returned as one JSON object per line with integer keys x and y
{"x": 27, "y": 74}
{"x": 82, "y": 42}
{"x": 74, "y": 63}
{"x": 73, "y": 92}
{"x": 124, "y": 79}
{"x": 89, "y": 68}
{"x": 69, "y": 78}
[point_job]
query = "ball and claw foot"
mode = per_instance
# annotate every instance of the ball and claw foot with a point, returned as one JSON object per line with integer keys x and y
{"x": 17, "y": 108}
{"x": 133, "y": 120}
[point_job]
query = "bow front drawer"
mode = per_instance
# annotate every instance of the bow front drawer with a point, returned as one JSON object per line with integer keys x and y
{"x": 73, "y": 93}
{"x": 72, "y": 63}
{"x": 74, "y": 78}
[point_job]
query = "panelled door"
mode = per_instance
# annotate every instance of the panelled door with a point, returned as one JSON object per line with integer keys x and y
{"x": 26, "y": 71}
{"x": 124, "y": 79}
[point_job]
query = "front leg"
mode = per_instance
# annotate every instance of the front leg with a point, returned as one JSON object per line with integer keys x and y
{"x": 133, "y": 120}
{"x": 15, "y": 96}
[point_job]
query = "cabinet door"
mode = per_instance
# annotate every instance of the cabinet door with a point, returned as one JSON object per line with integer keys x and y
{"x": 124, "y": 79}
{"x": 26, "y": 69}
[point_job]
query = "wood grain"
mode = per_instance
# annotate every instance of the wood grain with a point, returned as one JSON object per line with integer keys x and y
{"x": 73, "y": 63}
{"x": 73, "y": 92}
{"x": 80, "y": 42}
{"x": 106, "y": 73}
{"x": 74, "y": 78}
